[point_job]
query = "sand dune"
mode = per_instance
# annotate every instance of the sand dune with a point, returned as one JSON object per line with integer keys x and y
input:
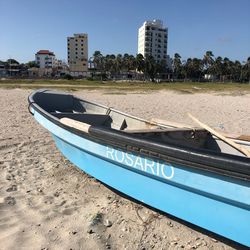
{"x": 47, "y": 203}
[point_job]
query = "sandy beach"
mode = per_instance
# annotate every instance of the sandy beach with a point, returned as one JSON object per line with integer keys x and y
{"x": 47, "y": 203}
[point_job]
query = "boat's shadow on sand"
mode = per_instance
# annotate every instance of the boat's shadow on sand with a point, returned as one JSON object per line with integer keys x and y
{"x": 208, "y": 233}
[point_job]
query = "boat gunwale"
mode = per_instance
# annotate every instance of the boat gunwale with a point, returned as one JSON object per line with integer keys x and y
{"x": 157, "y": 150}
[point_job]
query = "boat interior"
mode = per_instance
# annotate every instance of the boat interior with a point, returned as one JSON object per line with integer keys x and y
{"x": 68, "y": 106}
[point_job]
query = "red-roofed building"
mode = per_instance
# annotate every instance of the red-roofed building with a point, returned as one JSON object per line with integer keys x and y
{"x": 45, "y": 59}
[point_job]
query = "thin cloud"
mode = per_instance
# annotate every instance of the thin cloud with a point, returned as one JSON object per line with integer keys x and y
{"x": 224, "y": 40}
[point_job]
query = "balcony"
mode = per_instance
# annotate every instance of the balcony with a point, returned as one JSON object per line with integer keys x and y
{"x": 148, "y": 34}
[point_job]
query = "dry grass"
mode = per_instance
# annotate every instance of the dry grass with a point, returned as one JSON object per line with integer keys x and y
{"x": 183, "y": 87}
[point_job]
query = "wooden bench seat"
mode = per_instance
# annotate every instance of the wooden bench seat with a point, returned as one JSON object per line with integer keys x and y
{"x": 91, "y": 119}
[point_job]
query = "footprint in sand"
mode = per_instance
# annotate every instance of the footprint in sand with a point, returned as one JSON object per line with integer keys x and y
{"x": 68, "y": 211}
{"x": 12, "y": 188}
{"x": 10, "y": 200}
{"x": 9, "y": 177}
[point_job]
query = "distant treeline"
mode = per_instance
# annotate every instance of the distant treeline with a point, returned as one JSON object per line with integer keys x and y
{"x": 209, "y": 68}
{"x": 193, "y": 69}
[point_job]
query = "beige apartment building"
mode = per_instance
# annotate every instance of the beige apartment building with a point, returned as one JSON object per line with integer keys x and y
{"x": 78, "y": 54}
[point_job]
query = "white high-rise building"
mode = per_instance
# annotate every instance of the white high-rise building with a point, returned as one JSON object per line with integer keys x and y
{"x": 153, "y": 40}
{"x": 78, "y": 54}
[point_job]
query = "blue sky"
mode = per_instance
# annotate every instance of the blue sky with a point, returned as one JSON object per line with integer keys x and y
{"x": 195, "y": 26}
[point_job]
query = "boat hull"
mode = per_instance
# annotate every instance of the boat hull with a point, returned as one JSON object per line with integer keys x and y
{"x": 217, "y": 203}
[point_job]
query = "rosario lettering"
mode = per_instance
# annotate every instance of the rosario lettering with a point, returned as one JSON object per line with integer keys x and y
{"x": 157, "y": 168}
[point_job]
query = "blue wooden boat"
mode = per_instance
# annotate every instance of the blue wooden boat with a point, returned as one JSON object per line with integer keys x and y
{"x": 186, "y": 172}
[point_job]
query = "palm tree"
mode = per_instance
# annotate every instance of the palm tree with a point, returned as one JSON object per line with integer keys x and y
{"x": 112, "y": 62}
{"x": 98, "y": 60}
{"x": 192, "y": 69}
{"x": 132, "y": 62}
{"x": 177, "y": 65}
{"x": 109, "y": 64}
{"x": 208, "y": 61}
{"x": 246, "y": 71}
{"x": 150, "y": 67}
{"x": 140, "y": 63}
{"x": 187, "y": 68}
{"x": 118, "y": 64}
{"x": 126, "y": 62}
{"x": 217, "y": 68}
{"x": 226, "y": 68}
{"x": 248, "y": 68}
{"x": 162, "y": 69}
{"x": 236, "y": 71}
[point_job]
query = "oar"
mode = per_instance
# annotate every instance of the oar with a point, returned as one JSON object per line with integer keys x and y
{"x": 220, "y": 136}
{"x": 75, "y": 124}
